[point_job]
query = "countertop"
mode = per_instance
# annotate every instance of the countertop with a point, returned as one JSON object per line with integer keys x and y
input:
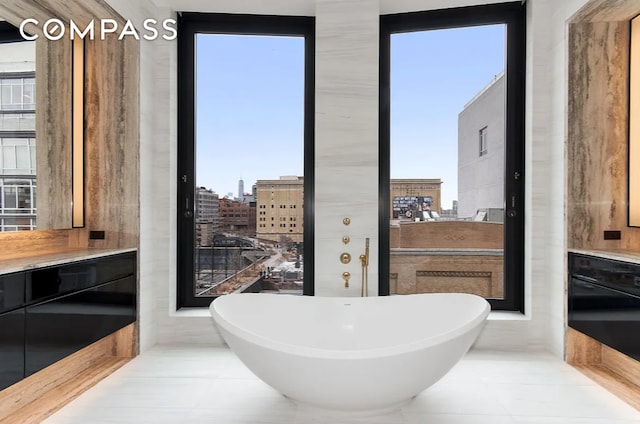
{"x": 24, "y": 263}
{"x": 618, "y": 255}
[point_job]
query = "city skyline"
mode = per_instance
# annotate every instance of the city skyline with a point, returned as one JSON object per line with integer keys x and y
{"x": 250, "y": 104}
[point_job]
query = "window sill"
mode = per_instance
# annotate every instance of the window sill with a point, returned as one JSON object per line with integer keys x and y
{"x": 192, "y": 312}
{"x": 493, "y": 315}
{"x": 507, "y": 316}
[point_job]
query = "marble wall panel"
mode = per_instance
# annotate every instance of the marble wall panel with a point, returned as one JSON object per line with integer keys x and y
{"x": 346, "y": 136}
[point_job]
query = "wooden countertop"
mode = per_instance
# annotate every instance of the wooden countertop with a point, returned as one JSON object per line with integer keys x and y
{"x": 9, "y": 264}
{"x": 618, "y": 255}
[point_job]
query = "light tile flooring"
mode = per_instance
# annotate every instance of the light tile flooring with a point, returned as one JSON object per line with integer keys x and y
{"x": 210, "y": 385}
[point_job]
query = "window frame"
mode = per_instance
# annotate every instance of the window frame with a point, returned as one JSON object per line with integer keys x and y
{"x": 482, "y": 141}
{"x": 190, "y": 24}
{"x": 513, "y": 15}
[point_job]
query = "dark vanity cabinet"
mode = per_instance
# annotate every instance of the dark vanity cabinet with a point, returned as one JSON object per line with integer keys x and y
{"x": 11, "y": 347}
{"x": 12, "y": 301}
{"x": 58, "y": 310}
{"x": 604, "y": 301}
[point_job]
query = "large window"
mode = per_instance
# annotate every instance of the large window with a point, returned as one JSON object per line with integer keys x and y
{"x": 245, "y": 155}
{"x": 452, "y": 152}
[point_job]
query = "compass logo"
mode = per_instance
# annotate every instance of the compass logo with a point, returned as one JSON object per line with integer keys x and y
{"x": 54, "y": 29}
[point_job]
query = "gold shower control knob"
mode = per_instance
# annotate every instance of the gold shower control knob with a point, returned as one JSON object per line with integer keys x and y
{"x": 345, "y": 258}
{"x": 346, "y": 221}
{"x": 346, "y": 239}
{"x": 345, "y": 276}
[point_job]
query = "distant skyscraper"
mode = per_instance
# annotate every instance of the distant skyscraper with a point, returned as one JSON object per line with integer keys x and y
{"x": 241, "y": 189}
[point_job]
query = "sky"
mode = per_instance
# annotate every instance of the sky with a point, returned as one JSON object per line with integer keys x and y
{"x": 250, "y": 103}
{"x": 250, "y": 110}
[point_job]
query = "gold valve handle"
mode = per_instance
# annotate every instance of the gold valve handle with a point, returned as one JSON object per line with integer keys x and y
{"x": 346, "y": 275}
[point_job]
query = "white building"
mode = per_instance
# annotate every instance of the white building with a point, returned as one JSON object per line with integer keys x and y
{"x": 481, "y": 132}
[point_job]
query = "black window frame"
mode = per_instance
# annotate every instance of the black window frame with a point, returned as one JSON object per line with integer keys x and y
{"x": 513, "y": 14}
{"x": 190, "y": 24}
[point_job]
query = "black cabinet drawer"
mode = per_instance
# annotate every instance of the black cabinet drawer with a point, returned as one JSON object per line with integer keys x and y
{"x": 62, "y": 326}
{"x": 11, "y": 347}
{"x": 12, "y": 291}
{"x": 617, "y": 275}
{"x": 607, "y": 315}
{"x": 47, "y": 283}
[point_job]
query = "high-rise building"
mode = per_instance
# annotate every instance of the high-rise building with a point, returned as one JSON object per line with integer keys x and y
{"x": 17, "y": 136}
{"x": 241, "y": 190}
{"x": 207, "y": 216}
{"x": 280, "y": 206}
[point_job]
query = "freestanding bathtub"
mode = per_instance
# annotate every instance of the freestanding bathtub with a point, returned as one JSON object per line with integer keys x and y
{"x": 350, "y": 353}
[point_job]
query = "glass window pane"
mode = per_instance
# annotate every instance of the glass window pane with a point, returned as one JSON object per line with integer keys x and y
{"x": 5, "y": 95}
{"x": 447, "y": 161}
{"x": 24, "y": 199}
{"x": 249, "y": 156}
{"x": 28, "y": 97}
{"x": 8, "y": 158}
{"x": 10, "y": 197}
{"x": 16, "y": 95}
{"x": 23, "y": 158}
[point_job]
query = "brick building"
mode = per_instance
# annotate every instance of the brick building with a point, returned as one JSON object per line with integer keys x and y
{"x": 237, "y": 217}
{"x": 280, "y": 209}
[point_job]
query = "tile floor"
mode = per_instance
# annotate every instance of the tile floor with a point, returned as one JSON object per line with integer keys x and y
{"x": 171, "y": 384}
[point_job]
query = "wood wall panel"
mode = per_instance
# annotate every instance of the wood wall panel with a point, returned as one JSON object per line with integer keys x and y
{"x": 111, "y": 122}
{"x": 615, "y": 371}
{"x": 80, "y": 11}
{"x": 111, "y": 140}
{"x": 597, "y": 136}
{"x": 608, "y": 11}
{"x": 581, "y": 349}
{"x": 53, "y": 134}
{"x": 25, "y": 243}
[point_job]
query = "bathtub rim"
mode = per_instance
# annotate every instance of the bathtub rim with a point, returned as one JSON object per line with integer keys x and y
{"x": 352, "y": 354}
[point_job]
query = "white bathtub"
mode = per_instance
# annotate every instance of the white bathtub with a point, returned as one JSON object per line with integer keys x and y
{"x": 346, "y": 353}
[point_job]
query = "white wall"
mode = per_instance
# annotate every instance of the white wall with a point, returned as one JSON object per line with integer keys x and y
{"x": 347, "y": 148}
